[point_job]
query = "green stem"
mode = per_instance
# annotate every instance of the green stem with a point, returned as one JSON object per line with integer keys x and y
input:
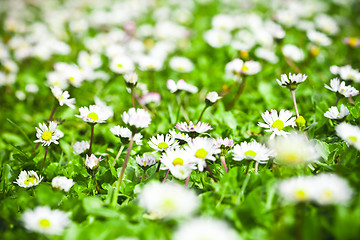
{"x": 91, "y": 138}
{"x": 43, "y": 163}
{"x": 118, "y": 154}
{"x": 237, "y": 95}
{"x": 202, "y": 113}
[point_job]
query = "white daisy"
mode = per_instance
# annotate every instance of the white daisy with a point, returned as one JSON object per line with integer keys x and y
{"x": 92, "y": 161}
{"x": 63, "y": 97}
{"x": 334, "y": 113}
{"x": 46, "y": 221}
{"x": 292, "y": 81}
{"x": 179, "y": 162}
{"x": 217, "y": 38}
{"x": 94, "y": 114}
{"x": 28, "y": 179}
{"x": 47, "y": 135}
{"x": 212, "y": 97}
{"x": 121, "y": 65}
{"x": 318, "y": 38}
{"x": 349, "y": 133}
{"x": 81, "y": 147}
{"x": 89, "y": 60}
{"x": 131, "y": 79}
{"x": 199, "y": 128}
{"x": 276, "y": 123}
{"x": 181, "y": 64}
{"x": 252, "y": 151}
{"x": 151, "y": 97}
{"x": 62, "y": 183}
{"x": 251, "y": 68}
{"x": 224, "y": 143}
{"x": 181, "y": 137}
{"x": 341, "y": 88}
{"x": 125, "y": 135}
{"x": 136, "y": 119}
{"x": 296, "y": 189}
{"x": 146, "y": 160}
{"x": 181, "y": 85}
{"x": 201, "y": 149}
{"x": 294, "y": 53}
{"x": 168, "y": 200}
{"x": 162, "y": 143}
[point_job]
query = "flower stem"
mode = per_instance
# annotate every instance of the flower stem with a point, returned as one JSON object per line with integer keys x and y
{"x": 209, "y": 170}
{"x": 187, "y": 180}
{"x": 237, "y": 95}
{"x": 158, "y": 166}
{"x": 123, "y": 170}
{"x": 132, "y": 97}
{"x": 43, "y": 163}
{"x": 118, "y": 154}
{"x": 202, "y": 113}
{"x": 52, "y": 112}
{"x": 337, "y": 100}
{"x": 91, "y": 138}
{"x": 222, "y": 159}
{"x": 167, "y": 172}
{"x": 294, "y": 100}
{"x": 256, "y": 167}
{"x": 179, "y": 107}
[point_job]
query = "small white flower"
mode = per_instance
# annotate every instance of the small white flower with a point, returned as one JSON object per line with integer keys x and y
{"x": 224, "y": 143}
{"x": 236, "y": 67}
{"x": 180, "y": 85}
{"x": 349, "y": 133}
{"x": 181, "y": 137}
{"x": 121, "y": 65}
{"x": 199, "y": 128}
{"x": 276, "y": 123}
{"x": 94, "y": 114}
{"x": 181, "y": 64}
{"x": 266, "y": 54}
{"x": 168, "y": 200}
{"x": 341, "y": 88}
{"x": 318, "y": 38}
{"x": 252, "y": 151}
{"x": 92, "y": 161}
{"x": 47, "y": 135}
{"x": 349, "y": 73}
{"x": 217, "y": 38}
{"x": 28, "y": 179}
{"x": 292, "y": 81}
{"x": 46, "y": 221}
{"x": 63, "y": 97}
{"x": 294, "y": 53}
{"x": 62, "y": 183}
{"x": 162, "y": 143}
{"x": 294, "y": 150}
{"x": 151, "y": 97}
{"x": 177, "y": 157}
{"x": 136, "y": 119}
{"x": 251, "y": 68}
{"x": 80, "y": 147}
{"x": 296, "y": 189}
{"x": 326, "y": 24}
{"x": 125, "y": 135}
{"x": 212, "y": 97}
{"x": 205, "y": 228}
{"x": 146, "y": 160}
{"x": 131, "y": 79}
{"x": 150, "y": 63}
{"x": 334, "y": 113}
{"x": 89, "y": 60}
{"x": 223, "y": 22}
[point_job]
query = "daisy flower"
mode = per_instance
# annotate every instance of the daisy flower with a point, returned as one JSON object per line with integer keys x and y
{"x": 125, "y": 135}
{"x": 340, "y": 87}
{"x": 349, "y": 133}
{"x": 168, "y": 200}
{"x": 181, "y": 64}
{"x": 276, "y": 123}
{"x": 94, "y": 114}
{"x": 131, "y": 79}
{"x": 201, "y": 149}
{"x": 81, "y": 147}
{"x": 334, "y": 113}
{"x": 121, "y": 65}
{"x": 162, "y": 143}
{"x": 47, "y": 135}
{"x": 211, "y": 98}
{"x": 182, "y": 138}
{"x": 181, "y": 85}
{"x": 199, "y": 128}
{"x": 352, "y": 41}
{"x": 318, "y": 38}
{"x": 296, "y": 189}
{"x": 151, "y": 97}
{"x": 46, "y": 221}
{"x": 147, "y": 160}
{"x": 294, "y": 53}
{"x": 136, "y": 119}
{"x": 28, "y": 179}
{"x": 252, "y": 151}
{"x": 224, "y": 143}
{"x": 62, "y": 183}
{"x": 63, "y": 97}
{"x": 179, "y": 162}
{"x": 92, "y": 161}
{"x": 292, "y": 81}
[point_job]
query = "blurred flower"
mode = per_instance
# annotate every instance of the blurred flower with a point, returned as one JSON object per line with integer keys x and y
{"x": 92, "y": 162}
{"x": 212, "y": 97}
{"x": 349, "y": 133}
{"x": 162, "y": 143}
{"x": 150, "y": 63}
{"x": 31, "y": 88}
{"x": 136, "y": 119}
{"x": 318, "y": 38}
{"x": 28, "y": 179}
{"x": 352, "y": 41}
{"x": 131, "y": 79}
{"x": 125, "y": 134}
{"x": 205, "y": 228}
{"x": 296, "y": 189}
{"x": 294, "y": 150}
{"x": 223, "y": 22}
{"x": 276, "y": 123}
{"x": 199, "y": 128}
{"x": 121, "y": 65}
{"x": 89, "y": 60}
{"x": 267, "y": 55}
{"x": 47, "y": 135}
{"x": 181, "y": 64}
{"x": 81, "y": 147}
{"x": 334, "y": 113}
{"x": 217, "y": 38}
{"x": 168, "y": 200}
{"x": 146, "y": 160}
{"x": 292, "y": 81}
{"x": 346, "y": 72}
{"x": 94, "y": 114}
{"x": 252, "y": 151}
{"x": 180, "y": 85}
{"x": 151, "y": 97}
{"x": 339, "y": 87}
{"x": 294, "y": 53}
{"x": 63, "y": 97}
{"x": 326, "y": 24}
{"x": 236, "y": 67}
{"x": 62, "y": 183}
{"x": 46, "y": 221}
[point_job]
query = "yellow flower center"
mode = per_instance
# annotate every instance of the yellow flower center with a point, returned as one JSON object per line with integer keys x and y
{"x": 291, "y": 158}
{"x": 178, "y": 161}
{"x": 120, "y": 65}
{"x": 353, "y": 139}
{"x": 353, "y": 41}
{"x": 278, "y": 124}
{"x": 71, "y": 79}
{"x": 250, "y": 153}
{"x": 244, "y": 68}
{"x": 201, "y": 153}
{"x": 145, "y": 163}
{"x": 150, "y": 66}
{"x": 46, "y": 135}
{"x": 180, "y": 68}
{"x": 314, "y": 50}
{"x": 163, "y": 145}
{"x": 44, "y": 223}
{"x": 327, "y": 194}
{"x": 300, "y": 195}
{"x": 93, "y": 116}
{"x": 30, "y": 180}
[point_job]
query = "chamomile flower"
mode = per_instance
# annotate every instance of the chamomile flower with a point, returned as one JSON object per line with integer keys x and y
{"x": 202, "y": 149}
{"x": 205, "y": 228}
{"x": 294, "y": 53}
{"x": 174, "y": 157}
{"x": 292, "y": 81}
{"x": 92, "y": 162}
{"x": 181, "y": 85}
{"x": 28, "y": 179}
{"x": 62, "y": 183}
{"x": 297, "y": 189}
{"x": 318, "y": 38}
{"x": 276, "y": 123}
{"x": 136, "y": 119}
{"x": 294, "y": 150}
{"x": 122, "y": 65}
{"x": 48, "y": 134}
{"x": 81, "y": 147}
{"x": 217, "y": 38}
{"x": 349, "y": 133}
{"x": 211, "y": 98}
{"x": 252, "y": 151}
{"x": 45, "y": 221}
{"x": 199, "y": 128}
{"x": 125, "y": 134}
{"x": 63, "y": 97}
{"x": 340, "y": 87}
{"x": 334, "y": 113}
{"x": 146, "y": 160}
{"x": 131, "y": 79}
{"x": 224, "y": 143}
{"x": 162, "y": 143}
{"x": 181, "y": 64}
{"x": 94, "y": 114}
{"x": 168, "y": 200}
{"x": 151, "y": 97}
{"x": 352, "y": 41}
{"x": 182, "y": 138}
{"x": 89, "y": 60}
